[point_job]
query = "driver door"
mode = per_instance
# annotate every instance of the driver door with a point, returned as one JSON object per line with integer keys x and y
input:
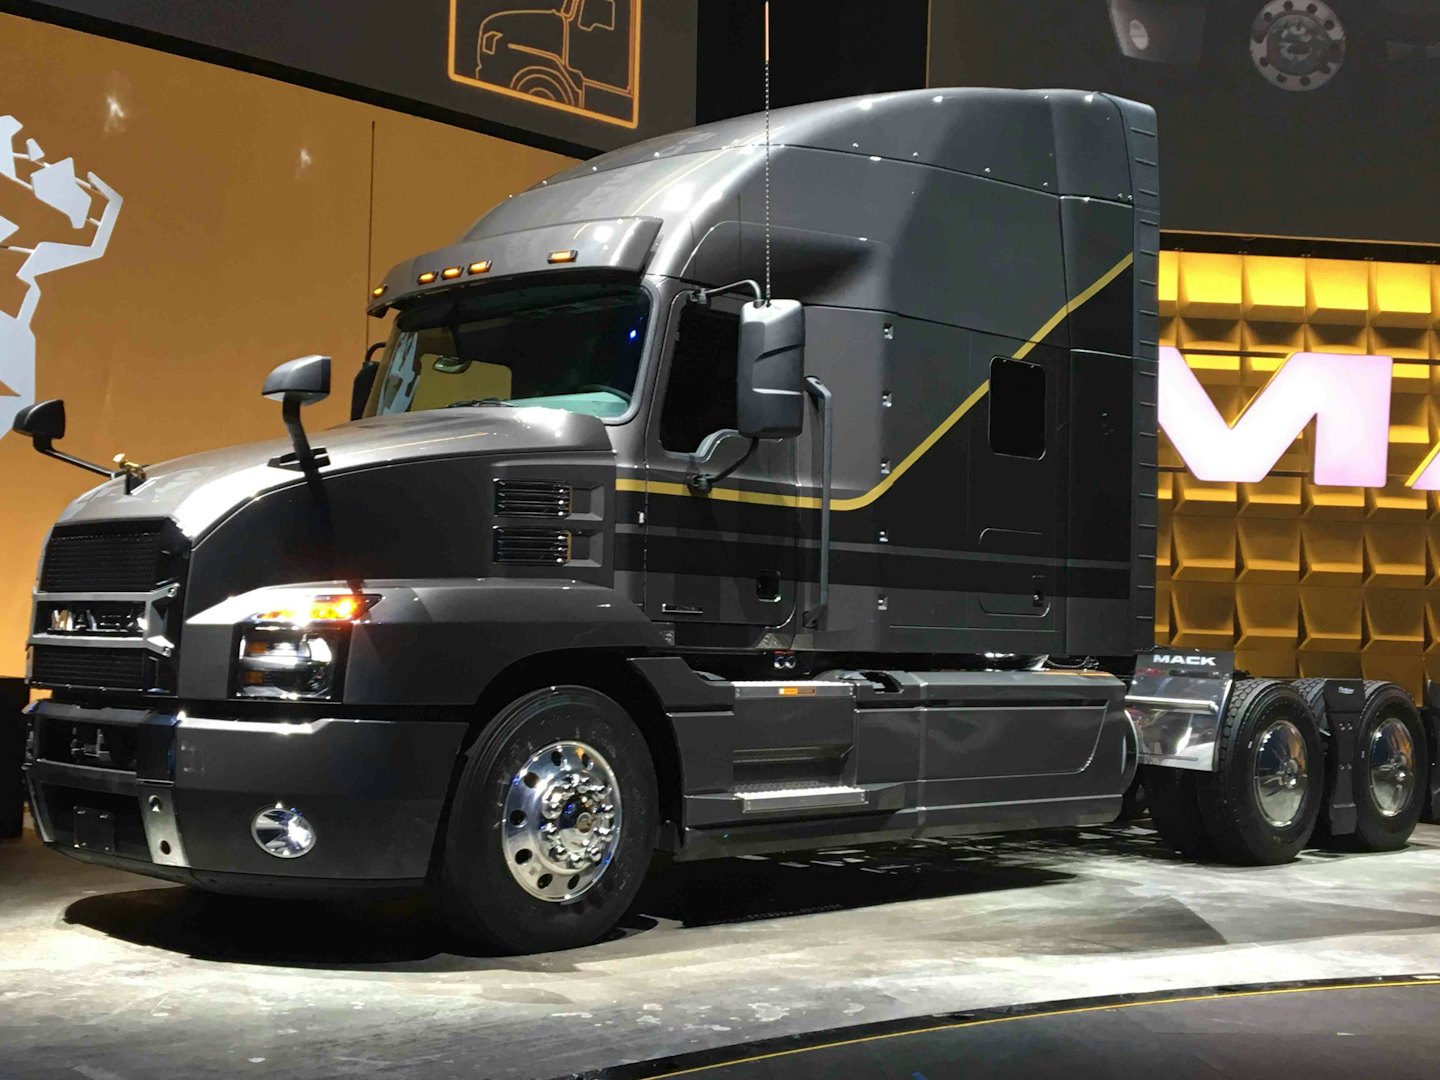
{"x": 726, "y": 561}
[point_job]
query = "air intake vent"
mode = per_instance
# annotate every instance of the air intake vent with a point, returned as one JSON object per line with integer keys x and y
{"x": 531, "y": 498}
{"x": 532, "y": 547}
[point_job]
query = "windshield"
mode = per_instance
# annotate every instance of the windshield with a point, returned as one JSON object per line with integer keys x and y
{"x": 574, "y": 347}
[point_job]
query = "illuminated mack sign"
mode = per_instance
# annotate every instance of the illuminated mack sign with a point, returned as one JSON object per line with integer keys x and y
{"x": 1348, "y": 397}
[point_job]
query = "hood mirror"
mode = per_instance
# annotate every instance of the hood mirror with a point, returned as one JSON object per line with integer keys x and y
{"x": 770, "y": 372}
{"x": 296, "y": 383}
{"x": 43, "y": 423}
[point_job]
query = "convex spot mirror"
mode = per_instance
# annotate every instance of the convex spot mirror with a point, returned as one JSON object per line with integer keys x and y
{"x": 770, "y": 372}
{"x": 44, "y": 421}
{"x": 302, "y": 381}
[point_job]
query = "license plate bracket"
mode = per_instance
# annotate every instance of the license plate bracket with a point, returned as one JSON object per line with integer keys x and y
{"x": 94, "y": 830}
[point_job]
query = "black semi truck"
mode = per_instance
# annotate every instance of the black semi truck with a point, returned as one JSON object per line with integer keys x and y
{"x": 621, "y": 553}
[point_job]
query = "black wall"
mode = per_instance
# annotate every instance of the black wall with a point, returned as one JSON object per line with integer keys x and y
{"x": 818, "y": 49}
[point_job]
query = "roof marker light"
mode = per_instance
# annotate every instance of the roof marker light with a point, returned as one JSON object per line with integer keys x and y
{"x": 378, "y": 291}
{"x": 427, "y": 277}
{"x": 481, "y": 267}
{"x": 563, "y": 256}
{"x": 450, "y": 273}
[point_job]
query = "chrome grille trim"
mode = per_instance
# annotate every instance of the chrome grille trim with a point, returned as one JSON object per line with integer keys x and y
{"x": 532, "y": 498}
{"x": 532, "y": 547}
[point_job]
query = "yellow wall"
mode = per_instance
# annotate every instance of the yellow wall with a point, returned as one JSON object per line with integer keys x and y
{"x": 1299, "y": 579}
{"x": 250, "y": 232}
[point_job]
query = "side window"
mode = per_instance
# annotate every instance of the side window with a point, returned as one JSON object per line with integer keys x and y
{"x": 700, "y": 398}
{"x": 1017, "y": 408}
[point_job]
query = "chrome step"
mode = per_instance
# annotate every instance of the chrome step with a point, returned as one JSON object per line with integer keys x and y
{"x": 771, "y": 799}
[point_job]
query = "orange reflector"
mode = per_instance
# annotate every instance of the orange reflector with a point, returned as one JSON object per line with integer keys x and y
{"x": 481, "y": 267}
{"x": 378, "y": 291}
{"x": 427, "y": 277}
{"x": 797, "y": 691}
{"x": 563, "y": 256}
{"x": 450, "y": 273}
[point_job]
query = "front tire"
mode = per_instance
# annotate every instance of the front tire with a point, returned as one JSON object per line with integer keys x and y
{"x": 1261, "y": 805}
{"x": 552, "y": 825}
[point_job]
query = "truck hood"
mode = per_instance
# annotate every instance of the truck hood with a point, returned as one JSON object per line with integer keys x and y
{"x": 198, "y": 490}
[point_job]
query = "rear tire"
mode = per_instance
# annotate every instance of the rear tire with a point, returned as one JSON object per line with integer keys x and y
{"x": 1261, "y": 805}
{"x": 560, "y": 774}
{"x": 1175, "y": 810}
{"x": 1391, "y": 769}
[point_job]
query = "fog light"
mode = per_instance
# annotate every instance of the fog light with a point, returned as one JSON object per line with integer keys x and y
{"x": 286, "y": 834}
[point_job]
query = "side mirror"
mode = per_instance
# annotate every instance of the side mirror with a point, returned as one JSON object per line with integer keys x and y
{"x": 364, "y": 381}
{"x": 303, "y": 381}
{"x": 769, "y": 378}
{"x": 44, "y": 422}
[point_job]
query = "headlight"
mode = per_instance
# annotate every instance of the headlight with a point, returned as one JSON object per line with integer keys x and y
{"x": 297, "y": 653}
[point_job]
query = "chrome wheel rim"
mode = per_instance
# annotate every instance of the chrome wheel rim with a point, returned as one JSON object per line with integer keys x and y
{"x": 562, "y": 821}
{"x": 1281, "y": 773}
{"x": 1391, "y": 757}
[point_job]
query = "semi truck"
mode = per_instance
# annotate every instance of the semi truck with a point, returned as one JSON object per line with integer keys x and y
{"x": 624, "y": 551}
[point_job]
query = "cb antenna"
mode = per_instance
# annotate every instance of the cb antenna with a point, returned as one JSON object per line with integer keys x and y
{"x": 767, "y": 153}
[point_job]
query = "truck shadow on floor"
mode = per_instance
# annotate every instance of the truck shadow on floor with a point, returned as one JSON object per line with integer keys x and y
{"x": 408, "y": 933}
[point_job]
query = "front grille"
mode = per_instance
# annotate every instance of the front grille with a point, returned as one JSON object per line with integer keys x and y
{"x": 108, "y": 669}
{"x": 532, "y": 498}
{"x": 533, "y": 547}
{"x": 111, "y": 558}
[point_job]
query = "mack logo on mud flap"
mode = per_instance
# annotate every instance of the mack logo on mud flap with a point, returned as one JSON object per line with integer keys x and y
{"x": 1193, "y": 661}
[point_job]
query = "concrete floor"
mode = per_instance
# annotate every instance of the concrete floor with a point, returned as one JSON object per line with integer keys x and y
{"x": 108, "y": 976}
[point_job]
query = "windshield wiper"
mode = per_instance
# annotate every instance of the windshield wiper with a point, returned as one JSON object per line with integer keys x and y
{"x": 480, "y": 403}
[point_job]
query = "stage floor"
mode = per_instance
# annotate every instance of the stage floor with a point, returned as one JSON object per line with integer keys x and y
{"x": 109, "y": 976}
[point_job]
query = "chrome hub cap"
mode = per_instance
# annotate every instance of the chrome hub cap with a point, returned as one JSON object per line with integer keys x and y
{"x": 1281, "y": 773}
{"x": 1391, "y": 757}
{"x": 562, "y": 821}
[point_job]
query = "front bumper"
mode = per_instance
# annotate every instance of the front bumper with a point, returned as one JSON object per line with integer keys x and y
{"x": 173, "y": 795}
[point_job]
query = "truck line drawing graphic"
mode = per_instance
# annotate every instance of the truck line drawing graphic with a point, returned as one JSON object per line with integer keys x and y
{"x": 56, "y": 185}
{"x": 579, "y": 56}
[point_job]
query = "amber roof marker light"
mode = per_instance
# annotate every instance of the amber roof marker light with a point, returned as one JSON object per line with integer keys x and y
{"x": 427, "y": 277}
{"x": 378, "y": 291}
{"x": 450, "y": 273}
{"x": 481, "y": 267}
{"x": 564, "y": 256}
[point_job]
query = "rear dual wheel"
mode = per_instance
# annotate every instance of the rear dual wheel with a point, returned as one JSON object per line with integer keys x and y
{"x": 552, "y": 825}
{"x": 1260, "y": 806}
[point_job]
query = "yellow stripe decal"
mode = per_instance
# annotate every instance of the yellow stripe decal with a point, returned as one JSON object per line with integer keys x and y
{"x": 1044, "y": 1016}
{"x": 812, "y": 502}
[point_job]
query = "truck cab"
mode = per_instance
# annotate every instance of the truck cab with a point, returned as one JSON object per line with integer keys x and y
{"x": 680, "y": 510}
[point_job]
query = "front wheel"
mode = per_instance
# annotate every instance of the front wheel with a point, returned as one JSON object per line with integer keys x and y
{"x": 553, "y": 823}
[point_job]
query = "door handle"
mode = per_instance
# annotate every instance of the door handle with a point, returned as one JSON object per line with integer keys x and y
{"x": 681, "y": 609}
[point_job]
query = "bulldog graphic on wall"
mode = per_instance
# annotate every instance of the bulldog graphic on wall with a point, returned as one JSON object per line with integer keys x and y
{"x": 56, "y": 186}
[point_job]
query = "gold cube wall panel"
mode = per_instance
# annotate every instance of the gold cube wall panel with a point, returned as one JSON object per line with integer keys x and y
{"x": 1298, "y": 578}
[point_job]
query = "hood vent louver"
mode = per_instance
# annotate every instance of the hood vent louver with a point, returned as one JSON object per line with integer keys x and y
{"x": 532, "y": 498}
{"x": 532, "y": 547}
